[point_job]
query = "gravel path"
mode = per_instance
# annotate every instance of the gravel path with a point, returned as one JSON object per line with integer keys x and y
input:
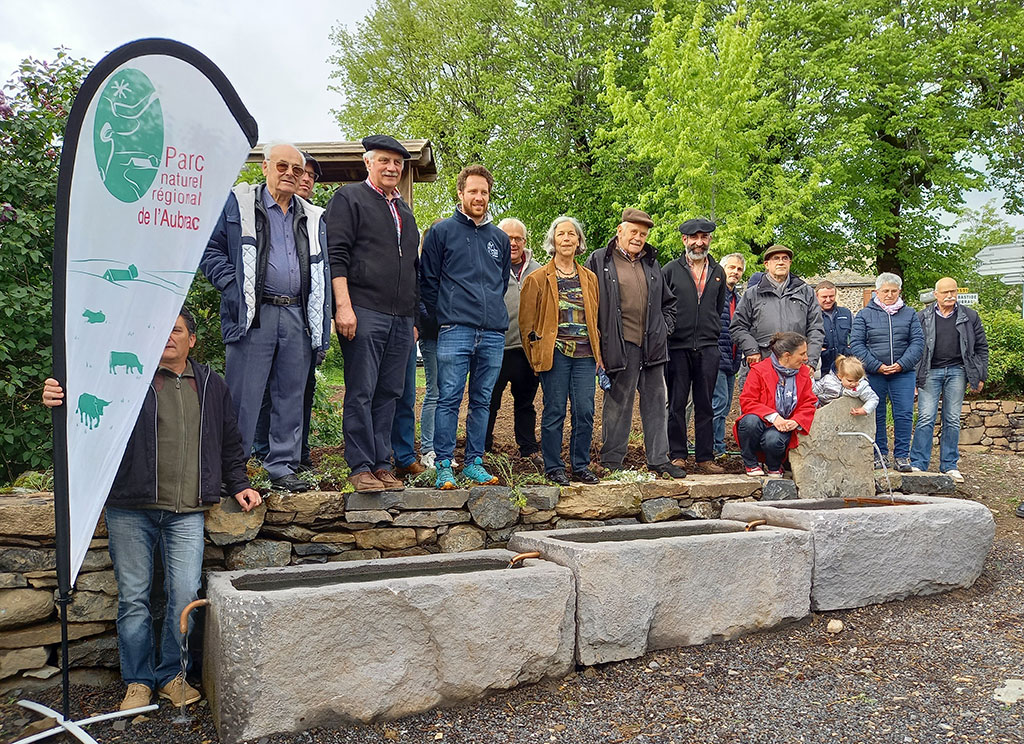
{"x": 921, "y": 670}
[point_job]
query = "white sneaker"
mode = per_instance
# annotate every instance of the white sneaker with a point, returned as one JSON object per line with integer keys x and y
{"x": 427, "y": 459}
{"x": 955, "y": 475}
{"x": 915, "y": 470}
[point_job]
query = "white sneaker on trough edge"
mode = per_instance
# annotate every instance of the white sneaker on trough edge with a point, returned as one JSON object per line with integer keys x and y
{"x": 915, "y": 470}
{"x": 955, "y": 475}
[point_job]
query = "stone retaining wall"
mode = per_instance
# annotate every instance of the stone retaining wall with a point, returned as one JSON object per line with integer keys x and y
{"x": 992, "y": 426}
{"x": 288, "y": 529}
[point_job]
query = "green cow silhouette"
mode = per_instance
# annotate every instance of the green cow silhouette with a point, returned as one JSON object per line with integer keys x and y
{"x": 90, "y": 408}
{"x": 125, "y": 359}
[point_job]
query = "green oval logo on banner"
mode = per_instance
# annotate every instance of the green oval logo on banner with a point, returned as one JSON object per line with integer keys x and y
{"x": 128, "y": 135}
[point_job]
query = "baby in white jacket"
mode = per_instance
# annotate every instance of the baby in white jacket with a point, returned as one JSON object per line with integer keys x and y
{"x": 848, "y": 380}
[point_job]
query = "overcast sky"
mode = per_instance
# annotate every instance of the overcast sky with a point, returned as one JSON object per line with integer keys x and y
{"x": 275, "y": 54}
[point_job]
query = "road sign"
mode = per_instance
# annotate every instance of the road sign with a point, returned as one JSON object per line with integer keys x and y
{"x": 1000, "y": 259}
{"x": 967, "y": 298}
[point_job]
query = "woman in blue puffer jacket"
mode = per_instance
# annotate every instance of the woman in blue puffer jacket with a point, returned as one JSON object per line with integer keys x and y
{"x": 888, "y": 339}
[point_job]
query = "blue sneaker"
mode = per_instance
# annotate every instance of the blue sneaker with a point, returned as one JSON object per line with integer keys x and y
{"x": 475, "y": 472}
{"x": 445, "y": 477}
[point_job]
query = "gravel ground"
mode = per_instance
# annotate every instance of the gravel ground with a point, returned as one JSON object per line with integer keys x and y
{"x": 921, "y": 670}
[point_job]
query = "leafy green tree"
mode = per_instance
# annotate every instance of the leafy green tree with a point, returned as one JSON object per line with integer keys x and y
{"x": 34, "y": 105}
{"x": 704, "y": 128}
{"x": 893, "y": 99}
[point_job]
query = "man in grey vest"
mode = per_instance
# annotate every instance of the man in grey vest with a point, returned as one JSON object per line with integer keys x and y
{"x": 515, "y": 368}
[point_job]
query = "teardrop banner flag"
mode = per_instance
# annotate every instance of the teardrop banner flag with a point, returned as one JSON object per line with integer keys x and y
{"x": 154, "y": 142}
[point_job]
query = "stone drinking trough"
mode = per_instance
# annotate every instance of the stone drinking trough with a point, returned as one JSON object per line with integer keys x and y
{"x": 871, "y": 553}
{"x": 288, "y": 649}
{"x": 647, "y": 587}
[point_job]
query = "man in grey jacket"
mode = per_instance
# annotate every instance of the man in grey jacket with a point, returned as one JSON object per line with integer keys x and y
{"x": 515, "y": 368}
{"x": 780, "y": 301}
{"x": 955, "y": 356}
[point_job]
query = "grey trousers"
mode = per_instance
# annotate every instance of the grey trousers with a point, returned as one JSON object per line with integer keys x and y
{"x": 617, "y": 411}
{"x": 275, "y": 356}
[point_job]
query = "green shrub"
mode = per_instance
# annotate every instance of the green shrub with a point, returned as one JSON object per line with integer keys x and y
{"x": 34, "y": 105}
{"x": 325, "y": 423}
{"x": 1005, "y": 333}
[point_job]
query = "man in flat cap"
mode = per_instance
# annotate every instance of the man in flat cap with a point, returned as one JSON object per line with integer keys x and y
{"x": 373, "y": 245}
{"x": 635, "y": 316}
{"x": 698, "y": 284}
{"x": 266, "y": 258}
{"x": 779, "y": 301}
{"x": 261, "y": 443}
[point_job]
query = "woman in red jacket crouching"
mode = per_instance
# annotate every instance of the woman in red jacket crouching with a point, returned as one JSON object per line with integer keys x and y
{"x": 776, "y": 404}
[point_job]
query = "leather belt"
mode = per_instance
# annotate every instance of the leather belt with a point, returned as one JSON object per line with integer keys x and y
{"x": 281, "y": 300}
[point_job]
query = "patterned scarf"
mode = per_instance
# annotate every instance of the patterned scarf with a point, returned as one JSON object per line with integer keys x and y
{"x": 891, "y": 309}
{"x": 785, "y": 392}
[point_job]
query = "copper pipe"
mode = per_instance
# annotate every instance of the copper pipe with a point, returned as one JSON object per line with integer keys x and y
{"x": 756, "y": 523}
{"x": 521, "y": 557}
{"x": 188, "y": 608}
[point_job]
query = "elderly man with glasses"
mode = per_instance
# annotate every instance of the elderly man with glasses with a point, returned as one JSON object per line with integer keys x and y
{"x": 266, "y": 257}
{"x": 780, "y": 301}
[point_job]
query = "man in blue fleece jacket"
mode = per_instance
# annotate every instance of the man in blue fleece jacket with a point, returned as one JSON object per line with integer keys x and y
{"x": 464, "y": 271}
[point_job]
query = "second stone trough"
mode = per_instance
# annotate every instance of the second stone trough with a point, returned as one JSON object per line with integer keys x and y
{"x": 646, "y": 587}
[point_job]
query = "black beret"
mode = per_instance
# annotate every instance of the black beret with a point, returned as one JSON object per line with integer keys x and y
{"x": 383, "y": 142}
{"x": 316, "y": 166}
{"x": 696, "y": 225}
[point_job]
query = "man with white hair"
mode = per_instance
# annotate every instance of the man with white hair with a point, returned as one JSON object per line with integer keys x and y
{"x": 730, "y": 357}
{"x": 515, "y": 367}
{"x": 266, "y": 258}
{"x": 374, "y": 252}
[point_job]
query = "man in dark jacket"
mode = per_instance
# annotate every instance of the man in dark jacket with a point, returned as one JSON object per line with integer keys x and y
{"x": 635, "y": 315}
{"x": 698, "y": 284}
{"x": 474, "y": 259}
{"x": 373, "y": 245}
{"x": 955, "y": 356}
{"x": 837, "y": 321}
{"x": 266, "y": 259}
{"x": 733, "y": 264}
{"x": 515, "y": 367}
{"x": 779, "y": 301}
{"x": 184, "y": 447}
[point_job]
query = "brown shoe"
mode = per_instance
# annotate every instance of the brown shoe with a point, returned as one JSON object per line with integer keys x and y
{"x": 414, "y": 468}
{"x": 365, "y": 482}
{"x": 138, "y": 696}
{"x": 680, "y": 462}
{"x": 179, "y": 692}
{"x": 709, "y": 467}
{"x": 388, "y": 479}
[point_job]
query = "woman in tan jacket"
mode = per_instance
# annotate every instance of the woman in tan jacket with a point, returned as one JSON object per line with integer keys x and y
{"x": 558, "y": 322}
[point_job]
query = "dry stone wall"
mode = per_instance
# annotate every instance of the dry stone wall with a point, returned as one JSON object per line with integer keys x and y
{"x": 991, "y": 426}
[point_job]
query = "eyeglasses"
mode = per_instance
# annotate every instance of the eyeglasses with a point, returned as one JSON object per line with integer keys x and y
{"x": 283, "y": 165}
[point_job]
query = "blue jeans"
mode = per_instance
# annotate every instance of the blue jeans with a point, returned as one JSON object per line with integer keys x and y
{"x": 428, "y": 348}
{"x": 950, "y": 383}
{"x": 403, "y": 428}
{"x": 134, "y": 535}
{"x": 758, "y": 437}
{"x": 573, "y": 380}
{"x": 899, "y": 388}
{"x": 721, "y": 402}
{"x": 463, "y": 351}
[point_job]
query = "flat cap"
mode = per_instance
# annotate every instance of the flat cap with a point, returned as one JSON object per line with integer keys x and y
{"x": 696, "y": 225}
{"x": 316, "y": 166}
{"x": 629, "y": 214}
{"x": 383, "y": 142}
{"x": 773, "y": 249}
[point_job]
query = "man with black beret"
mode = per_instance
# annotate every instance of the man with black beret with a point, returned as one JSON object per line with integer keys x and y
{"x": 698, "y": 284}
{"x": 636, "y": 313}
{"x": 373, "y": 245}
